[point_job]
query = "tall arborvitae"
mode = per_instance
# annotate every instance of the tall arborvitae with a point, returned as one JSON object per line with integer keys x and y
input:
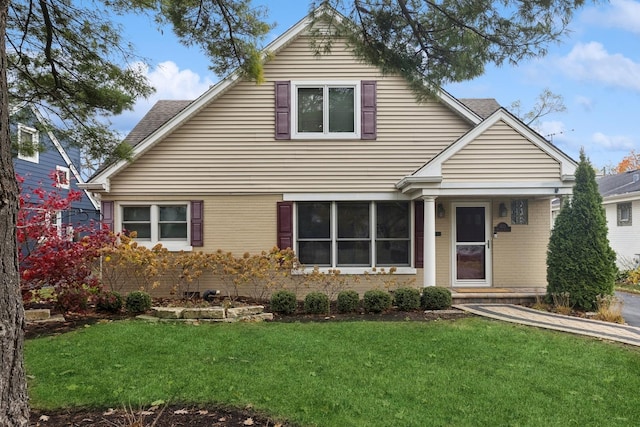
{"x": 580, "y": 260}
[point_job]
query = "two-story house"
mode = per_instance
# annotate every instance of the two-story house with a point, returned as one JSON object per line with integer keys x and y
{"x": 333, "y": 158}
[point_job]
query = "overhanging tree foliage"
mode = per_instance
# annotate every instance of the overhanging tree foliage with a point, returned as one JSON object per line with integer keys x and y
{"x": 580, "y": 260}
{"x": 67, "y": 57}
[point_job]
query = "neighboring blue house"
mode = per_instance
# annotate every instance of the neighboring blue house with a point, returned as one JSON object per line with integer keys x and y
{"x": 28, "y": 127}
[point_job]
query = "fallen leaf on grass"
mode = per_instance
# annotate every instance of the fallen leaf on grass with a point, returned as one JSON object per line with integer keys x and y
{"x": 248, "y": 422}
{"x": 43, "y": 418}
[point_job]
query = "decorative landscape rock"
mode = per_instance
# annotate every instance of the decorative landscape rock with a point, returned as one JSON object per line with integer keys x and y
{"x": 204, "y": 313}
{"x": 254, "y": 313}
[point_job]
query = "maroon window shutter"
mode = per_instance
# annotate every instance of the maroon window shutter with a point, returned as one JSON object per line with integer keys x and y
{"x": 283, "y": 110}
{"x": 419, "y": 233}
{"x": 107, "y": 215}
{"x": 368, "y": 107}
{"x": 285, "y": 225}
{"x": 197, "y": 214}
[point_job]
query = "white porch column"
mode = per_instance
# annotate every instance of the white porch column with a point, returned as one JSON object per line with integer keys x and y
{"x": 429, "y": 250}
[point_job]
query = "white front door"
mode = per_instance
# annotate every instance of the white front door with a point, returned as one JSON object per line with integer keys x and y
{"x": 471, "y": 244}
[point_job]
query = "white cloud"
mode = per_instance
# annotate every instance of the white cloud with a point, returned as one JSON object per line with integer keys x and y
{"x": 623, "y": 14}
{"x": 592, "y": 62}
{"x": 551, "y": 129}
{"x": 585, "y": 102}
{"x": 170, "y": 83}
{"x": 612, "y": 142}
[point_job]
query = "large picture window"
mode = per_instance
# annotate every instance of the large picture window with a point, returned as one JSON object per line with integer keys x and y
{"x": 326, "y": 110}
{"x": 353, "y": 234}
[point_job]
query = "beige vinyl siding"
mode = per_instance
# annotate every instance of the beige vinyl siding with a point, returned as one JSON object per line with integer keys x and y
{"x": 501, "y": 154}
{"x": 229, "y": 146}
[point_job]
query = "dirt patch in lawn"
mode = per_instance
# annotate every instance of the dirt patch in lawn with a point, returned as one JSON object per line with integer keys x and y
{"x": 189, "y": 415}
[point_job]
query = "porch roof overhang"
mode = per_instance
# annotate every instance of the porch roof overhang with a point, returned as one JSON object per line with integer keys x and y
{"x": 433, "y": 186}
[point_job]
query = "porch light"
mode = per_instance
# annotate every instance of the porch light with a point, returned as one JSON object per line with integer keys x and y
{"x": 440, "y": 210}
{"x": 502, "y": 210}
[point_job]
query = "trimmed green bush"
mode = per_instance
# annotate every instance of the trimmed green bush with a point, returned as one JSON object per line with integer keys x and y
{"x": 316, "y": 303}
{"x": 376, "y": 301}
{"x": 435, "y": 298}
{"x": 109, "y": 301}
{"x": 407, "y": 299}
{"x": 347, "y": 301}
{"x": 138, "y": 302}
{"x": 284, "y": 302}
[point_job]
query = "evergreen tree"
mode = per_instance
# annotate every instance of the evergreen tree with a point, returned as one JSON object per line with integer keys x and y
{"x": 580, "y": 260}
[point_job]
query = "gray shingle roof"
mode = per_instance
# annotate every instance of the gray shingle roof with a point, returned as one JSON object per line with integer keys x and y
{"x": 622, "y": 183}
{"x": 157, "y": 116}
{"x": 484, "y": 107}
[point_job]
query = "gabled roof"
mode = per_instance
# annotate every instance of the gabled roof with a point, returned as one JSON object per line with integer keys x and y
{"x": 157, "y": 116}
{"x": 620, "y": 184}
{"x": 59, "y": 147}
{"x": 148, "y": 135}
{"x": 430, "y": 174}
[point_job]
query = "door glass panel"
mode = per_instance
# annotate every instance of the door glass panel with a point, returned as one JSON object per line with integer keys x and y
{"x": 470, "y": 224}
{"x": 470, "y": 261}
{"x": 470, "y": 243}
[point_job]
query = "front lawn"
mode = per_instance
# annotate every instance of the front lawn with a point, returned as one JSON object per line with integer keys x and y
{"x": 468, "y": 372}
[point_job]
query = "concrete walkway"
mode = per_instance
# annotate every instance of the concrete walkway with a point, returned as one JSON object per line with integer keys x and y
{"x": 575, "y": 325}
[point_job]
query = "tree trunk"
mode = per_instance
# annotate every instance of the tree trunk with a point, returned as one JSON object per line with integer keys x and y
{"x": 14, "y": 403}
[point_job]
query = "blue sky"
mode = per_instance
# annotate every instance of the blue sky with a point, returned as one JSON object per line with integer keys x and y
{"x": 596, "y": 69}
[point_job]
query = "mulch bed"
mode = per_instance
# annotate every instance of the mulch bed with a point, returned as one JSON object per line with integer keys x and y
{"x": 186, "y": 415}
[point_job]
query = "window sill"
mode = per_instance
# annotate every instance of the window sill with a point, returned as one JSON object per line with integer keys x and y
{"x": 362, "y": 270}
{"x": 170, "y": 246}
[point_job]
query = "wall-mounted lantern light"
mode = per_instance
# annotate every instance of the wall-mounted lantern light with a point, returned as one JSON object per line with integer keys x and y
{"x": 502, "y": 210}
{"x": 440, "y": 210}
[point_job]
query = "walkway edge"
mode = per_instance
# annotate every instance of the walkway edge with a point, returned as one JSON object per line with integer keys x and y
{"x": 575, "y": 325}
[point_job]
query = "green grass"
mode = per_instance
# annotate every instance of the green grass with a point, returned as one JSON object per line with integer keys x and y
{"x": 465, "y": 373}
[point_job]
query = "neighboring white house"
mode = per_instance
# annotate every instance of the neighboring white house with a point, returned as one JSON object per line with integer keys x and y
{"x": 621, "y": 198}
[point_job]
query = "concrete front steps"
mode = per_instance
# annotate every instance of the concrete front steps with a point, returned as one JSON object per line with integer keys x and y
{"x": 254, "y": 313}
{"x": 520, "y": 296}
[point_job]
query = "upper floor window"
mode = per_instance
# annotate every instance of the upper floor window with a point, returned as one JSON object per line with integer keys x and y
{"x": 329, "y": 110}
{"x": 28, "y": 144}
{"x": 624, "y": 214}
{"x": 62, "y": 177}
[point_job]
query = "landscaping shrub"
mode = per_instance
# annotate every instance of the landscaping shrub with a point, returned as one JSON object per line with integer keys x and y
{"x": 376, "y": 301}
{"x": 435, "y": 298}
{"x": 138, "y": 302}
{"x": 284, "y": 302}
{"x": 316, "y": 303}
{"x": 75, "y": 299}
{"x": 407, "y": 299}
{"x": 109, "y": 301}
{"x": 347, "y": 301}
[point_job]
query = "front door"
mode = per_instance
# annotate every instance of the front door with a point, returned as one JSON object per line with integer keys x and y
{"x": 472, "y": 245}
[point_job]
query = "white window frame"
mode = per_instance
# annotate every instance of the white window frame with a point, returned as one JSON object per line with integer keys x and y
{"x": 35, "y": 135}
{"x": 171, "y": 245}
{"x": 67, "y": 173}
{"x": 355, "y": 84}
{"x": 373, "y": 268}
{"x": 622, "y": 208}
